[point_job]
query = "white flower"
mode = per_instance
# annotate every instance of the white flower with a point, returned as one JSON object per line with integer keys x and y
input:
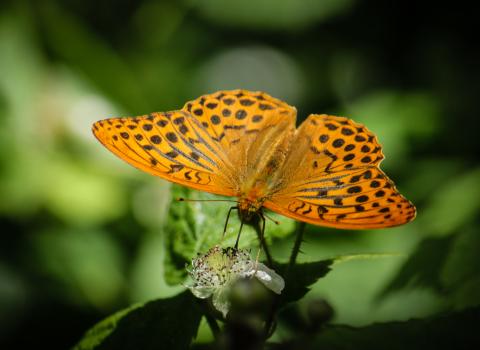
{"x": 214, "y": 273}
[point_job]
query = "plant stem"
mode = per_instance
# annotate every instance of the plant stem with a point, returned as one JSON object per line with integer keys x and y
{"x": 291, "y": 263}
{"x": 296, "y": 248}
{"x": 267, "y": 254}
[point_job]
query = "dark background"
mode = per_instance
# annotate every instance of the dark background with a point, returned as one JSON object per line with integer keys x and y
{"x": 81, "y": 231}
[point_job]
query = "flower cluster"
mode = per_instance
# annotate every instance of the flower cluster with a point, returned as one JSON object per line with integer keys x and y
{"x": 214, "y": 273}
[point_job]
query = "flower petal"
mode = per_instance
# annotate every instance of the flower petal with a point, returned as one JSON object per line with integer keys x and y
{"x": 270, "y": 278}
{"x": 202, "y": 292}
{"x": 221, "y": 300}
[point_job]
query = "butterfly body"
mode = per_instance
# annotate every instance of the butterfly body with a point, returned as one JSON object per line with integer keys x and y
{"x": 262, "y": 168}
{"x": 246, "y": 145}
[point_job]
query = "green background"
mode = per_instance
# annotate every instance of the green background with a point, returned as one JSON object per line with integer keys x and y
{"x": 83, "y": 234}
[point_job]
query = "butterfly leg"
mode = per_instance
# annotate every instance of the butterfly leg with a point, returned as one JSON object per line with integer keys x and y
{"x": 239, "y": 232}
{"x": 226, "y": 221}
{"x": 261, "y": 237}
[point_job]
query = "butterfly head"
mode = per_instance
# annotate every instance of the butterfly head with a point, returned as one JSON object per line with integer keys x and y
{"x": 247, "y": 208}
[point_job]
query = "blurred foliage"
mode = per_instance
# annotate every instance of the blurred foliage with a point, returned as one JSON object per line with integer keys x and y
{"x": 440, "y": 332}
{"x": 84, "y": 234}
{"x": 155, "y": 325}
{"x": 271, "y": 14}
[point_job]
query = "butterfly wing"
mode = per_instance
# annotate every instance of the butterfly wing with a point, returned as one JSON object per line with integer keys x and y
{"x": 248, "y": 126}
{"x": 203, "y": 146}
{"x": 171, "y": 145}
{"x": 331, "y": 177}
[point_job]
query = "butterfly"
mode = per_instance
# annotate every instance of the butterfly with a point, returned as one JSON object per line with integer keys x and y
{"x": 245, "y": 144}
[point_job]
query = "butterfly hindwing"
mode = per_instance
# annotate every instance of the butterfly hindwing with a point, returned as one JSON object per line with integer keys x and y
{"x": 331, "y": 178}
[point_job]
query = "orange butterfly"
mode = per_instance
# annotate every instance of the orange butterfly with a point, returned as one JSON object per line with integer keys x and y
{"x": 245, "y": 144}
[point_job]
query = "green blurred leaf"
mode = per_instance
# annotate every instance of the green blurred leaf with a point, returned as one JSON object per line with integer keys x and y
{"x": 97, "y": 334}
{"x": 461, "y": 274}
{"x": 80, "y": 196}
{"x": 149, "y": 14}
{"x": 453, "y": 205}
{"x": 466, "y": 294}
{"x": 196, "y": 227}
{"x": 457, "y": 330}
{"x": 14, "y": 297}
{"x": 431, "y": 174}
{"x": 395, "y": 117}
{"x": 260, "y": 67}
{"x": 87, "y": 264}
{"x": 147, "y": 280}
{"x": 79, "y": 47}
{"x": 300, "y": 277}
{"x": 446, "y": 265}
{"x": 364, "y": 256}
{"x": 22, "y": 76}
{"x": 151, "y": 202}
{"x": 464, "y": 259}
{"x": 422, "y": 268}
{"x": 271, "y": 14}
{"x": 161, "y": 324}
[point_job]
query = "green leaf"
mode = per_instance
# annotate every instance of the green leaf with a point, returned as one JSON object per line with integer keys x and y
{"x": 453, "y": 204}
{"x": 301, "y": 276}
{"x": 79, "y": 47}
{"x": 97, "y": 334}
{"x": 460, "y": 274}
{"x": 411, "y": 115}
{"x": 446, "y": 265}
{"x": 450, "y": 331}
{"x": 195, "y": 227}
{"x": 160, "y": 324}
{"x": 87, "y": 264}
{"x": 423, "y": 267}
{"x": 271, "y": 14}
{"x": 363, "y": 256}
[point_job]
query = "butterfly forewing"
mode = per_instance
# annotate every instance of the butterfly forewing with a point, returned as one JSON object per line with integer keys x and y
{"x": 331, "y": 178}
{"x": 172, "y": 145}
{"x": 204, "y": 146}
{"x": 231, "y": 116}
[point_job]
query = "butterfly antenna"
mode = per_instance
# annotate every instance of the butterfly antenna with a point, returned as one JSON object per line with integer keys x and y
{"x": 181, "y": 199}
{"x": 271, "y": 219}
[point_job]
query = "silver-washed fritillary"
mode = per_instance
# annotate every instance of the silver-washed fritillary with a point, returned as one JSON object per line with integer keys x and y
{"x": 245, "y": 144}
